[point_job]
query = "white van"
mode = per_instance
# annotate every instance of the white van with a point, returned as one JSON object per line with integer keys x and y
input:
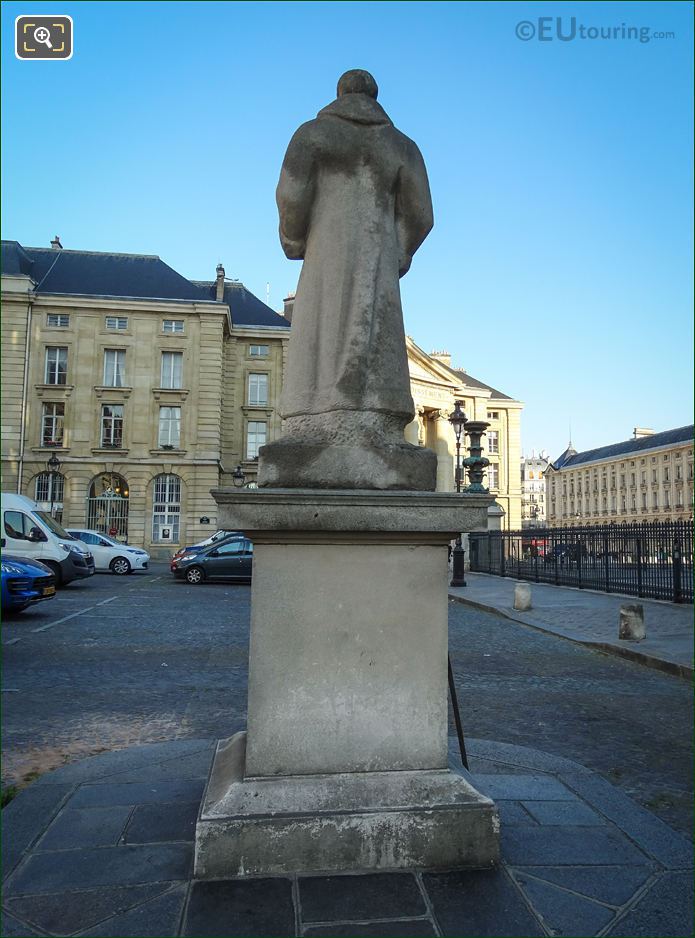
{"x": 29, "y": 532}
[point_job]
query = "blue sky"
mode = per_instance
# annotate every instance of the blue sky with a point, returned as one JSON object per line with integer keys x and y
{"x": 560, "y": 266}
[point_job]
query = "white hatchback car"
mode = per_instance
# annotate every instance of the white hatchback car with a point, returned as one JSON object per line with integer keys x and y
{"x": 110, "y": 554}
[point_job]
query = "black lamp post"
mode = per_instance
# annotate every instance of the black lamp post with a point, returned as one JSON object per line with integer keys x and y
{"x": 238, "y": 477}
{"x": 458, "y": 421}
{"x": 53, "y": 467}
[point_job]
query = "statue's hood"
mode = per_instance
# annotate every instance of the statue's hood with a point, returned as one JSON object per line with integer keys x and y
{"x": 359, "y": 108}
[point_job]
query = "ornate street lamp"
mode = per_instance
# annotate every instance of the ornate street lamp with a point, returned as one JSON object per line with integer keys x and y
{"x": 476, "y": 463}
{"x": 238, "y": 477}
{"x": 458, "y": 421}
{"x": 53, "y": 465}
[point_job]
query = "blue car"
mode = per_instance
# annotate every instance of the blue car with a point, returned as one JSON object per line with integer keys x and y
{"x": 25, "y": 582}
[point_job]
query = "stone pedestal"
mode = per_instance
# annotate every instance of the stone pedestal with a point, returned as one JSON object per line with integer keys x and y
{"x": 344, "y": 765}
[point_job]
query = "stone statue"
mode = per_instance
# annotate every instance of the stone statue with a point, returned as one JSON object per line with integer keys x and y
{"x": 354, "y": 205}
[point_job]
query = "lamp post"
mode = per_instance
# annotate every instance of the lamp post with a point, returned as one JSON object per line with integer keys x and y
{"x": 238, "y": 477}
{"x": 458, "y": 421}
{"x": 53, "y": 467}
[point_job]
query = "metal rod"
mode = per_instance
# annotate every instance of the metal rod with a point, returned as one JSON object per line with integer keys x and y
{"x": 457, "y": 715}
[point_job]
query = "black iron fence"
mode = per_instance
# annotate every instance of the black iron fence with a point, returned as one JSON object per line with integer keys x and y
{"x": 654, "y": 560}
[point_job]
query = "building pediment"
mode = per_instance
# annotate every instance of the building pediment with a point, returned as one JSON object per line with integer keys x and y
{"x": 422, "y": 367}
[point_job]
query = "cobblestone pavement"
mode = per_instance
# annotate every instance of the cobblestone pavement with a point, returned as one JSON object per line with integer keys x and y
{"x": 116, "y": 662}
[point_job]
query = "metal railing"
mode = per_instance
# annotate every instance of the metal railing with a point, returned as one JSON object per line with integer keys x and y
{"x": 653, "y": 560}
{"x": 108, "y": 514}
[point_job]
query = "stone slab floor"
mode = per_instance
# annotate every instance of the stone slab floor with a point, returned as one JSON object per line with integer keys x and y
{"x": 104, "y": 847}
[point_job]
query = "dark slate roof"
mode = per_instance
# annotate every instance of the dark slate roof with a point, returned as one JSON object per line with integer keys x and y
{"x": 246, "y": 309}
{"x": 15, "y": 259}
{"x": 141, "y": 276}
{"x": 628, "y": 447}
{"x": 93, "y": 273}
{"x": 565, "y": 457}
{"x": 472, "y": 382}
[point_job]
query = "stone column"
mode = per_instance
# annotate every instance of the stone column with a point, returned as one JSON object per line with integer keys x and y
{"x": 445, "y": 449}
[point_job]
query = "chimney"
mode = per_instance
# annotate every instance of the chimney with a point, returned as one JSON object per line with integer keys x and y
{"x": 443, "y": 357}
{"x": 219, "y": 283}
{"x": 639, "y": 432}
{"x": 56, "y": 245}
{"x": 288, "y": 304}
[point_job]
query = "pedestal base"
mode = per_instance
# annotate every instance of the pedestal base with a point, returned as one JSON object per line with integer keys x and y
{"x": 304, "y": 465}
{"x": 431, "y": 819}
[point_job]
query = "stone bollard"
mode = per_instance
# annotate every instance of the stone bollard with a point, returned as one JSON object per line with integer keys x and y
{"x": 631, "y": 627}
{"x": 522, "y": 597}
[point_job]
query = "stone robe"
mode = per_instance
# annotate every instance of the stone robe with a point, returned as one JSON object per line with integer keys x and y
{"x": 354, "y": 204}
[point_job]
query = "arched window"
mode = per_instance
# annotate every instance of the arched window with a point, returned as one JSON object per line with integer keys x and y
{"x": 49, "y": 492}
{"x": 107, "y": 505}
{"x": 166, "y": 509}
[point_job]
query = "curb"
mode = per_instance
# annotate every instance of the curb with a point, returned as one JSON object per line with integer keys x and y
{"x": 639, "y": 657}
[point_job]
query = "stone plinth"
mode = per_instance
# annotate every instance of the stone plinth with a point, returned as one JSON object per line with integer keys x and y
{"x": 386, "y": 465}
{"x": 345, "y": 761}
{"x": 347, "y": 821}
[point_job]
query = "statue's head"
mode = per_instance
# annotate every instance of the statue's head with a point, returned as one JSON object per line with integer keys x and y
{"x": 357, "y": 81}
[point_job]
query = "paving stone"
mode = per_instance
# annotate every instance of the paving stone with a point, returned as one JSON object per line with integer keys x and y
{"x": 480, "y": 766}
{"x": 522, "y": 758}
{"x": 68, "y": 912}
{"x": 563, "y": 912}
{"x": 575, "y": 813}
{"x": 26, "y": 817}
{"x": 612, "y": 884}
{"x": 89, "y": 827}
{"x": 514, "y": 813}
{"x": 486, "y": 904}
{"x": 567, "y": 846}
{"x": 670, "y": 849}
{"x": 524, "y": 788}
{"x": 666, "y": 909}
{"x": 13, "y": 928}
{"x": 195, "y": 765}
{"x": 104, "y": 866}
{"x": 160, "y": 916}
{"x": 407, "y": 928}
{"x": 162, "y": 792}
{"x": 131, "y": 759}
{"x": 360, "y": 898}
{"x": 153, "y": 823}
{"x": 254, "y": 908}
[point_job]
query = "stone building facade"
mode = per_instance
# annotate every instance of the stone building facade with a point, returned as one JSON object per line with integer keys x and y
{"x": 646, "y": 478}
{"x": 151, "y": 389}
{"x": 435, "y": 385}
{"x": 533, "y": 490}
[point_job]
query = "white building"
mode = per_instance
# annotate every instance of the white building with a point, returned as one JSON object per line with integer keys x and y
{"x": 533, "y": 489}
{"x": 646, "y": 478}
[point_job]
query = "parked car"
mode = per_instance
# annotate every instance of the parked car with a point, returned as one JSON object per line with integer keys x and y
{"x": 25, "y": 582}
{"x": 559, "y": 553}
{"x": 201, "y": 545}
{"x": 110, "y": 554}
{"x": 29, "y": 532}
{"x": 227, "y": 559}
